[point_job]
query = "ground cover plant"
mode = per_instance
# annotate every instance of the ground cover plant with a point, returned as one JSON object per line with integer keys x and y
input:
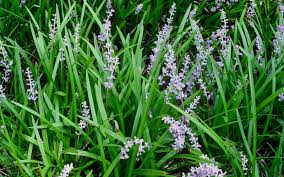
{"x": 141, "y": 88}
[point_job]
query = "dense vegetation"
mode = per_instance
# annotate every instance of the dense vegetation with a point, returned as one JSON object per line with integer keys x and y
{"x": 141, "y": 88}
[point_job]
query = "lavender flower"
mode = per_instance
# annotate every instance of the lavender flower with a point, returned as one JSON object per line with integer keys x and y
{"x": 193, "y": 105}
{"x": 281, "y": 97}
{"x": 161, "y": 37}
{"x": 6, "y": 63}
{"x": 221, "y": 34}
{"x": 206, "y": 93}
{"x": 251, "y": 11}
{"x": 53, "y": 27}
{"x": 111, "y": 63}
{"x": 66, "y": 170}
{"x": 179, "y": 130}
{"x": 259, "y": 50}
{"x": 86, "y": 114}
{"x": 32, "y": 91}
{"x": 142, "y": 147}
{"x": 278, "y": 42}
{"x": 218, "y": 4}
{"x": 170, "y": 66}
{"x": 176, "y": 85}
{"x": 85, "y": 110}
{"x": 77, "y": 38}
{"x": 2, "y": 92}
{"x": 138, "y": 9}
{"x": 205, "y": 170}
{"x": 244, "y": 161}
{"x": 103, "y": 36}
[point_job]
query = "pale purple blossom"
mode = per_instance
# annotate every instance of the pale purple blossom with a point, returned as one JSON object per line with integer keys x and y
{"x": 2, "y": 92}
{"x": 205, "y": 170}
{"x": 206, "y": 93}
{"x": 176, "y": 84}
{"x": 32, "y": 91}
{"x": 6, "y": 63}
{"x": 259, "y": 50}
{"x": 244, "y": 161}
{"x": 142, "y": 147}
{"x": 53, "y": 27}
{"x": 85, "y": 114}
{"x": 111, "y": 64}
{"x": 251, "y": 11}
{"x": 193, "y": 105}
{"x": 106, "y": 33}
{"x": 77, "y": 38}
{"x": 218, "y": 3}
{"x": 161, "y": 37}
{"x": 85, "y": 110}
{"x": 221, "y": 34}
{"x": 138, "y": 9}
{"x": 281, "y": 97}
{"x": 170, "y": 65}
{"x": 66, "y": 170}
{"x": 278, "y": 42}
{"x": 180, "y": 130}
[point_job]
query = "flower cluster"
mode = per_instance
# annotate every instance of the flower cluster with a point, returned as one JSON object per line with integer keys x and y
{"x": 32, "y": 91}
{"x": 2, "y": 92}
{"x": 62, "y": 57}
{"x": 170, "y": 65}
{"x": 77, "y": 38}
{"x": 206, "y": 93}
{"x": 259, "y": 50}
{"x": 161, "y": 37}
{"x": 66, "y": 170}
{"x": 86, "y": 114}
{"x": 176, "y": 83}
{"x": 281, "y": 97}
{"x": 218, "y": 4}
{"x": 142, "y": 147}
{"x": 138, "y": 9}
{"x": 244, "y": 161}
{"x": 179, "y": 130}
{"x": 6, "y": 63}
{"x": 221, "y": 34}
{"x": 111, "y": 63}
{"x": 53, "y": 27}
{"x": 251, "y": 11}
{"x": 205, "y": 170}
{"x": 278, "y": 42}
{"x": 103, "y": 36}
{"x": 193, "y": 105}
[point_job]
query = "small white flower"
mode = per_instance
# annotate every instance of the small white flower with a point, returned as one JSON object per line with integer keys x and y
{"x": 77, "y": 38}
{"x": 138, "y": 9}
{"x": 244, "y": 161}
{"x": 32, "y": 91}
{"x": 142, "y": 147}
{"x": 2, "y": 92}
{"x": 53, "y": 27}
{"x": 281, "y": 97}
{"x": 66, "y": 170}
{"x": 6, "y": 63}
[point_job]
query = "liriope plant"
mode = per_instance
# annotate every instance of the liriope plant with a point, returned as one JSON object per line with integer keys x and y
{"x": 88, "y": 103}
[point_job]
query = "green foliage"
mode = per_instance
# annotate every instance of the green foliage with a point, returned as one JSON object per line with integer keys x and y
{"x": 37, "y": 138}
